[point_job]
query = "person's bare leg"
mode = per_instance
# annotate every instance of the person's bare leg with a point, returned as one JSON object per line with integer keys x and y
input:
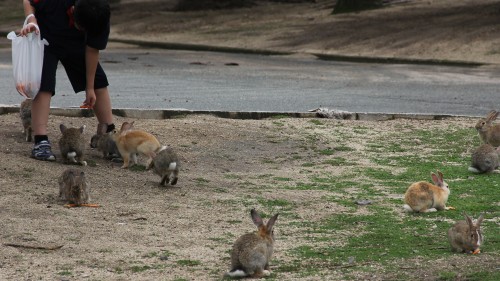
{"x": 40, "y": 113}
{"x": 102, "y": 110}
{"x": 102, "y": 107}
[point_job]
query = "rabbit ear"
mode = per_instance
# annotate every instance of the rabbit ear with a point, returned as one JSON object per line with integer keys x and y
{"x": 469, "y": 220}
{"x": 435, "y": 179}
{"x": 257, "y": 220}
{"x": 271, "y": 222}
{"x": 492, "y": 115}
{"x": 480, "y": 220}
{"x": 62, "y": 128}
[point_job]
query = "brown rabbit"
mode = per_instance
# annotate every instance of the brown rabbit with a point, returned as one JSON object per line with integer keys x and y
{"x": 425, "y": 197}
{"x": 485, "y": 159}
{"x": 465, "y": 236}
{"x": 166, "y": 164}
{"x": 25, "y": 113}
{"x": 130, "y": 142}
{"x": 252, "y": 251}
{"x": 74, "y": 188}
{"x": 72, "y": 144}
{"x": 489, "y": 132}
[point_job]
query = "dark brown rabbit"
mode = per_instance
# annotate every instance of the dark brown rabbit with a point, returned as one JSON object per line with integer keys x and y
{"x": 166, "y": 164}
{"x": 465, "y": 236}
{"x": 25, "y": 113}
{"x": 72, "y": 144}
{"x": 252, "y": 251}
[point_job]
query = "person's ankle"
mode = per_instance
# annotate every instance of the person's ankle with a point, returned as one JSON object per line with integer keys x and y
{"x": 40, "y": 138}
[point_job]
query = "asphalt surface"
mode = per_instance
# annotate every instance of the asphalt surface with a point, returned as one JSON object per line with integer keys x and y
{"x": 197, "y": 80}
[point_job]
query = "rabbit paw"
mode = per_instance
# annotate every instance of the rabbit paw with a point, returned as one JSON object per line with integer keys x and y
{"x": 450, "y": 208}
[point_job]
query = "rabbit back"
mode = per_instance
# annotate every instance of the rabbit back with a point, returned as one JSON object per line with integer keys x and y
{"x": 131, "y": 142}
{"x": 166, "y": 164}
{"x": 25, "y": 114}
{"x": 484, "y": 159}
{"x": 72, "y": 144}
{"x": 251, "y": 254}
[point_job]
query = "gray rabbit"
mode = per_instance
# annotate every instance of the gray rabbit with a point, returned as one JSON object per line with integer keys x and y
{"x": 485, "y": 159}
{"x": 74, "y": 188}
{"x": 25, "y": 113}
{"x": 252, "y": 251}
{"x": 166, "y": 164}
{"x": 72, "y": 144}
{"x": 104, "y": 143}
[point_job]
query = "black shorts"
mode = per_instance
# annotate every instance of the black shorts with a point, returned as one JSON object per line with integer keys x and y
{"x": 74, "y": 64}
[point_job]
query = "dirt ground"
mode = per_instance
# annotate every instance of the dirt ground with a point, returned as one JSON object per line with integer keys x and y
{"x": 146, "y": 232}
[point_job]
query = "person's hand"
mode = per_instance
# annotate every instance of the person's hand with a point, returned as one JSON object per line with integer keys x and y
{"x": 30, "y": 27}
{"x": 90, "y": 99}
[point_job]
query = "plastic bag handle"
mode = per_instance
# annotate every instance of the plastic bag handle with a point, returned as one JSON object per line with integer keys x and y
{"x": 33, "y": 24}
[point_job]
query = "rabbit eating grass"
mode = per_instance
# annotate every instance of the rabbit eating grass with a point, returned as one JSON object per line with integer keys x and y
{"x": 465, "y": 236}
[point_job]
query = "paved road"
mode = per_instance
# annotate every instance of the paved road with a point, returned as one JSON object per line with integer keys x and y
{"x": 165, "y": 79}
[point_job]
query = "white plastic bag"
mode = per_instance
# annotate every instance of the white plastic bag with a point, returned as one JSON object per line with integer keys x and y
{"x": 27, "y": 61}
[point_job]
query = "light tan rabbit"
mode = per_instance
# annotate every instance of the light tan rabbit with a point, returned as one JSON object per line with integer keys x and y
{"x": 166, "y": 164}
{"x": 489, "y": 132}
{"x": 74, "y": 188}
{"x": 252, "y": 251}
{"x": 25, "y": 113}
{"x": 485, "y": 159}
{"x": 426, "y": 197}
{"x": 72, "y": 144}
{"x": 130, "y": 142}
{"x": 465, "y": 236}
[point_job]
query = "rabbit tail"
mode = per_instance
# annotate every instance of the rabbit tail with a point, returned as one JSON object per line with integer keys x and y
{"x": 71, "y": 156}
{"x": 236, "y": 273}
{"x": 474, "y": 170}
{"x": 407, "y": 208}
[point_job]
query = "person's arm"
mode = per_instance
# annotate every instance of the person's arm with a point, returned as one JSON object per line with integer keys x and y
{"x": 91, "y": 60}
{"x": 29, "y": 10}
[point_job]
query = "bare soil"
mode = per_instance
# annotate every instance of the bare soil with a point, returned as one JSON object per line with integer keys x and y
{"x": 146, "y": 232}
{"x": 143, "y": 231}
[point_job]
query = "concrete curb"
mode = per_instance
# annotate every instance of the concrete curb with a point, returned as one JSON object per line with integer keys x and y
{"x": 254, "y": 115}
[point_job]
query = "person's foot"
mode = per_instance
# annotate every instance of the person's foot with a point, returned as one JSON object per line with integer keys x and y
{"x": 42, "y": 151}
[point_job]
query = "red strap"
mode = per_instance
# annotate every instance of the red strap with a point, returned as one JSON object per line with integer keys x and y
{"x": 69, "y": 12}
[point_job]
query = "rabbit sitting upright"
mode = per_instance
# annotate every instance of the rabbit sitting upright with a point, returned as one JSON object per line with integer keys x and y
{"x": 25, "y": 113}
{"x": 72, "y": 144}
{"x": 166, "y": 164}
{"x": 425, "y": 197}
{"x": 485, "y": 159}
{"x": 489, "y": 132}
{"x": 465, "y": 236}
{"x": 252, "y": 251}
{"x": 74, "y": 188}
